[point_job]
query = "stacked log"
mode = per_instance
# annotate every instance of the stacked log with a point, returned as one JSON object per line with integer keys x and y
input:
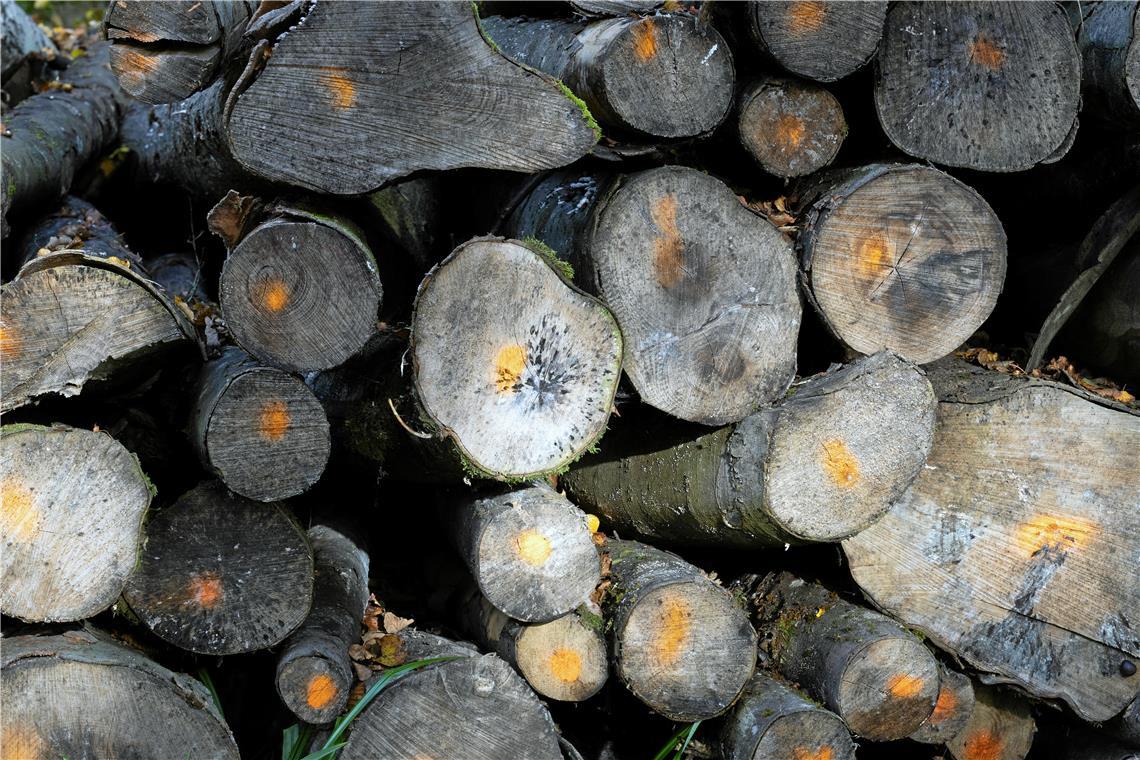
{"x": 773, "y": 720}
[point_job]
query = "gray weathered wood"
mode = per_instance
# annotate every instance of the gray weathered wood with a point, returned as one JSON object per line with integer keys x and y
{"x": 817, "y": 39}
{"x": 791, "y": 127}
{"x": 1108, "y": 36}
{"x": 773, "y": 721}
{"x": 1000, "y": 728}
{"x": 952, "y": 711}
{"x": 615, "y": 7}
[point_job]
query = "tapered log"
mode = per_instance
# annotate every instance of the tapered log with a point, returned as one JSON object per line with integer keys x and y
{"x": 704, "y": 291}
{"x": 1108, "y": 36}
{"x": 1007, "y": 549}
{"x": 903, "y": 257}
{"x": 512, "y": 363}
{"x": 71, "y": 524}
{"x": 823, "y": 464}
{"x": 26, "y": 52}
{"x": 790, "y": 127}
{"x": 76, "y": 225}
{"x": 314, "y": 674}
{"x": 1000, "y": 728}
{"x": 83, "y": 695}
{"x": 952, "y": 710}
{"x": 221, "y": 574}
{"x": 655, "y": 76}
{"x": 991, "y": 86}
{"x": 163, "y": 52}
{"x": 681, "y": 643}
{"x": 817, "y": 39}
{"x": 261, "y": 430}
{"x": 861, "y": 665}
{"x": 773, "y": 721}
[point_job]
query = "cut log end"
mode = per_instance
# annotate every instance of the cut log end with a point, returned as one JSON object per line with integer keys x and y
{"x": 563, "y": 659}
{"x": 772, "y": 721}
{"x": 889, "y": 689}
{"x": 314, "y": 689}
{"x": 791, "y": 128}
{"x": 952, "y": 710}
{"x": 1000, "y": 728}
{"x": 818, "y": 39}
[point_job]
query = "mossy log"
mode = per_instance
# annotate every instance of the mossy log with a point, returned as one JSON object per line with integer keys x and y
{"x": 990, "y": 86}
{"x": 773, "y": 721}
{"x": 1007, "y": 550}
{"x": 817, "y": 39}
{"x": 220, "y": 574}
{"x": 791, "y": 127}
{"x": 1000, "y": 728}
{"x": 952, "y": 710}
{"x": 1108, "y": 36}
{"x": 681, "y": 644}
{"x": 903, "y": 257}
{"x": 703, "y": 287}
{"x": 821, "y": 465}
{"x": 71, "y": 523}
{"x": 83, "y": 695}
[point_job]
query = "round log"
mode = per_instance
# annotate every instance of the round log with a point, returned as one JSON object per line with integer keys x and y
{"x": 179, "y": 274}
{"x": 221, "y": 574}
{"x": 1000, "y": 728}
{"x": 1105, "y": 331}
{"x": 952, "y": 711}
{"x": 773, "y": 721}
{"x": 1108, "y": 36}
{"x": 511, "y": 362}
{"x": 791, "y": 127}
{"x": 989, "y": 85}
{"x": 71, "y": 523}
{"x": 903, "y": 257}
{"x": 817, "y": 39}
{"x": 260, "y": 430}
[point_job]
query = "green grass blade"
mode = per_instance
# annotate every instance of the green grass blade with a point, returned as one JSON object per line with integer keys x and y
{"x": 294, "y": 741}
{"x": 325, "y": 752}
{"x": 689, "y": 738}
{"x": 685, "y": 734}
{"x": 204, "y": 677}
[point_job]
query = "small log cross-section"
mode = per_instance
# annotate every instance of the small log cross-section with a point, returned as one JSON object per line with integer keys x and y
{"x": 681, "y": 643}
{"x": 821, "y": 465}
{"x": 1108, "y": 35}
{"x": 261, "y": 430}
{"x": 71, "y": 510}
{"x": 952, "y": 711}
{"x": 863, "y": 666}
{"x": 773, "y": 721}
{"x": 989, "y": 85}
{"x": 792, "y": 128}
{"x": 1014, "y": 547}
{"x": 818, "y": 39}
{"x": 83, "y": 695}
{"x": 514, "y": 364}
{"x": 530, "y": 551}
{"x": 314, "y": 674}
{"x": 221, "y": 574}
{"x": 1000, "y": 728}
{"x": 903, "y": 257}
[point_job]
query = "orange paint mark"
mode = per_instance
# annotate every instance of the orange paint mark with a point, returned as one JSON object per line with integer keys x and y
{"x": 985, "y": 52}
{"x": 509, "y": 365}
{"x": 273, "y": 294}
{"x": 533, "y": 547}
{"x": 205, "y": 590}
{"x": 274, "y": 420}
{"x": 819, "y": 753}
{"x": 873, "y": 256}
{"x": 905, "y": 686}
{"x": 10, "y": 343}
{"x": 984, "y": 745}
{"x": 20, "y": 743}
{"x": 945, "y": 707}
{"x": 1053, "y": 532}
{"x": 838, "y": 462}
{"x": 342, "y": 90}
{"x": 566, "y": 665}
{"x": 790, "y": 131}
{"x": 645, "y": 40}
{"x": 807, "y": 16}
{"x": 668, "y": 247}
{"x": 320, "y": 692}
{"x": 674, "y": 625}
{"x": 19, "y": 518}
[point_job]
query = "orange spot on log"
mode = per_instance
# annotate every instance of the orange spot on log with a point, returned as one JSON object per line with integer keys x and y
{"x": 985, "y": 52}
{"x": 509, "y": 365}
{"x": 984, "y": 745}
{"x": 205, "y": 590}
{"x": 19, "y": 518}
{"x": 20, "y": 743}
{"x": 645, "y": 40}
{"x": 320, "y": 692}
{"x": 342, "y": 90}
{"x": 668, "y": 247}
{"x": 533, "y": 547}
{"x": 274, "y": 420}
{"x": 790, "y": 131}
{"x": 873, "y": 256}
{"x": 819, "y": 753}
{"x": 10, "y": 343}
{"x": 273, "y": 294}
{"x": 1053, "y": 532}
{"x": 566, "y": 665}
{"x": 838, "y": 462}
{"x": 675, "y": 623}
{"x": 807, "y": 16}
{"x": 945, "y": 707}
{"x": 904, "y": 686}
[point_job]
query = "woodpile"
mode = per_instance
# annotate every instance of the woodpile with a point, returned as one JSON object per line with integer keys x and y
{"x": 581, "y": 380}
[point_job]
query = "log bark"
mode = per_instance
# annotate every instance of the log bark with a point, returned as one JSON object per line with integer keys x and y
{"x": 1108, "y": 36}
{"x": 261, "y": 430}
{"x": 180, "y": 275}
{"x": 83, "y": 695}
{"x": 773, "y": 721}
{"x": 615, "y": 7}
{"x": 952, "y": 710}
{"x": 989, "y": 86}
{"x": 221, "y": 574}
{"x": 531, "y": 388}
{"x": 164, "y": 52}
{"x": 314, "y": 673}
{"x": 817, "y": 39}
{"x": 791, "y": 127}
{"x": 26, "y": 53}
{"x": 661, "y": 76}
{"x": 704, "y": 291}
{"x": 861, "y": 665}
{"x": 681, "y": 643}
{"x": 903, "y": 257}
{"x": 1006, "y": 550}
{"x": 1000, "y": 728}
{"x": 823, "y": 464}
{"x": 66, "y": 554}
{"x": 530, "y": 551}
{"x": 1105, "y": 332}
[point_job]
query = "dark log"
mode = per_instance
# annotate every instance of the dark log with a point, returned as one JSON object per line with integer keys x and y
{"x": 261, "y": 430}
{"x": 83, "y": 695}
{"x": 25, "y": 55}
{"x": 78, "y": 226}
{"x": 1105, "y": 333}
{"x": 789, "y": 126}
{"x": 615, "y": 7}
{"x": 681, "y": 643}
{"x": 530, "y": 551}
{"x": 773, "y": 721}
{"x": 1125, "y": 727}
{"x": 1108, "y": 36}
{"x": 861, "y": 665}
{"x": 817, "y": 39}
{"x": 662, "y": 76}
{"x": 71, "y": 524}
{"x": 704, "y": 291}
{"x": 1000, "y": 728}
{"x": 167, "y": 51}
{"x": 179, "y": 274}
{"x": 1089, "y": 744}
{"x": 823, "y": 464}
{"x": 952, "y": 711}
{"x": 990, "y": 86}
{"x": 1007, "y": 549}
{"x": 314, "y": 673}
{"x": 903, "y": 257}
{"x": 412, "y": 215}
{"x": 221, "y": 574}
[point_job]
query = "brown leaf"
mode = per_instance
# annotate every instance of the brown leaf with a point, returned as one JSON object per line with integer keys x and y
{"x": 394, "y": 623}
{"x": 232, "y": 216}
{"x": 358, "y": 653}
{"x": 392, "y": 652}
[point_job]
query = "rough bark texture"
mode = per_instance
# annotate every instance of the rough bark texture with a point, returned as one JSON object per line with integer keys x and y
{"x": 314, "y": 673}
{"x": 1015, "y": 547}
{"x": 78, "y": 226}
{"x": 790, "y": 127}
{"x": 863, "y": 666}
{"x": 952, "y": 711}
{"x": 903, "y": 257}
{"x": 991, "y": 86}
{"x": 823, "y": 464}
{"x": 71, "y": 523}
{"x": 681, "y": 643}
{"x": 83, "y": 696}
{"x": 662, "y": 76}
{"x": 773, "y": 721}
{"x": 222, "y": 575}
{"x": 702, "y": 287}
{"x": 261, "y": 430}
{"x": 1000, "y": 728}
{"x": 1108, "y": 36}
{"x": 817, "y": 39}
